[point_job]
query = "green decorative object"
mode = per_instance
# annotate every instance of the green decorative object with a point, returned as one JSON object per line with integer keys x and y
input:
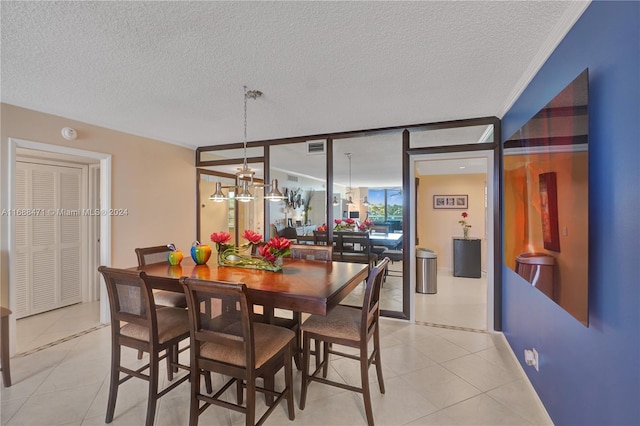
{"x": 271, "y": 252}
{"x": 230, "y": 256}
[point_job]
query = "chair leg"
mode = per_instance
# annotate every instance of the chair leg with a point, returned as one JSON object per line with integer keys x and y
{"x": 239, "y": 394}
{"x": 194, "y": 406}
{"x": 207, "y": 382}
{"x": 4, "y": 351}
{"x": 176, "y": 354}
{"x": 169, "y": 361}
{"x": 325, "y": 358}
{"x": 297, "y": 316}
{"x": 152, "y": 399}
{"x": 316, "y": 345}
{"x": 376, "y": 359}
{"x": 250, "y": 419}
{"x": 364, "y": 376}
{"x": 269, "y": 383}
{"x": 113, "y": 383}
{"x": 305, "y": 368}
{"x": 288, "y": 379}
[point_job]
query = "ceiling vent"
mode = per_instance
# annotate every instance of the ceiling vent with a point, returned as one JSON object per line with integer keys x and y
{"x": 292, "y": 178}
{"x": 315, "y": 147}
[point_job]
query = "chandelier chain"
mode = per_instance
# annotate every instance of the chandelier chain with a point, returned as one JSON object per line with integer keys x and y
{"x": 253, "y": 94}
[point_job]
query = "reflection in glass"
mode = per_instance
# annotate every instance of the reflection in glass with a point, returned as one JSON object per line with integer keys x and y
{"x": 546, "y": 200}
{"x": 229, "y": 215}
{"x": 375, "y": 186}
{"x": 301, "y": 176}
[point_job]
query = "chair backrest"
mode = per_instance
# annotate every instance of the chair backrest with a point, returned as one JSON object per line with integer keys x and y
{"x": 130, "y": 298}
{"x": 219, "y": 315}
{"x": 289, "y": 233}
{"x": 320, "y": 237}
{"x": 352, "y": 246}
{"x": 311, "y": 252}
{"x": 151, "y": 255}
{"x": 371, "y": 302}
{"x": 383, "y": 229}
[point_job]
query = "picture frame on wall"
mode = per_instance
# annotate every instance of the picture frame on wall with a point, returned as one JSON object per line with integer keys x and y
{"x": 450, "y": 201}
{"x": 549, "y": 211}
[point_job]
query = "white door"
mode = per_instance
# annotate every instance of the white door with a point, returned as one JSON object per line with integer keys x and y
{"x": 49, "y": 234}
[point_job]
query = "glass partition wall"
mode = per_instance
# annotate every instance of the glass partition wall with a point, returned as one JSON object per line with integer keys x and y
{"x": 300, "y": 171}
{"x": 367, "y": 185}
{"x": 229, "y": 214}
{"x": 319, "y": 178}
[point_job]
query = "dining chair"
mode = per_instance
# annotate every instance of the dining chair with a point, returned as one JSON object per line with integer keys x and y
{"x": 351, "y": 327}
{"x": 307, "y": 252}
{"x": 162, "y": 298}
{"x": 311, "y": 252}
{"x": 354, "y": 246}
{"x": 137, "y": 324}
{"x": 226, "y": 340}
{"x": 4, "y": 346}
{"x": 158, "y": 254}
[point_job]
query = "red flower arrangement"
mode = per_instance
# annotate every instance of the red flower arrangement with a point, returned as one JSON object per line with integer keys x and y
{"x": 348, "y": 223}
{"x": 221, "y": 239}
{"x": 270, "y": 252}
{"x": 366, "y": 225}
{"x": 276, "y": 247}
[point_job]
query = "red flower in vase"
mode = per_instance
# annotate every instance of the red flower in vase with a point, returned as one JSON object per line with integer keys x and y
{"x": 220, "y": 238}
{"x": 252, "y": 236}
{"x": 265, "y": 253}
{"x": 349, "y": 221}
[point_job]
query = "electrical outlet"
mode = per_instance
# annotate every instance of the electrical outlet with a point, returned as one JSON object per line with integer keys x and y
{"x": 531, "y": 358}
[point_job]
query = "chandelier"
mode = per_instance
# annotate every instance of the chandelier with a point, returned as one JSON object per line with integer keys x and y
{"x": 244, "y": 175}
{"x": 349, "y": 190}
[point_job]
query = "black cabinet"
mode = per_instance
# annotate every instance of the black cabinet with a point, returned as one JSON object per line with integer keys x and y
{"x": 466, "y": 258}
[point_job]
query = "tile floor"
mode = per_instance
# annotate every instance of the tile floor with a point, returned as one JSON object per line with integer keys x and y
{"x": 433, "y": 376}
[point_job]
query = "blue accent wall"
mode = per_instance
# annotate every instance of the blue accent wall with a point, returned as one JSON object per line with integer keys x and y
{"x": 591, "y": 376}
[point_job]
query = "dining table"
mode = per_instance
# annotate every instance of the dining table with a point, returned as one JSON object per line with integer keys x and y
{"x": 308, "y": 286}
{"x": 389, "y": 240}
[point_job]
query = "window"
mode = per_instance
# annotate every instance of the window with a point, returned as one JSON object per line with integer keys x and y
{"x": 386, "y": 206}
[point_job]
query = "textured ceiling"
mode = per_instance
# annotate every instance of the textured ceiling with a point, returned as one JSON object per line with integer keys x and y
{"x": 174, "y": 71}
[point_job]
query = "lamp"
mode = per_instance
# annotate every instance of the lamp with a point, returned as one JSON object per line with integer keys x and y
{"x": 244, "y": 175}
{"x": 366, "y": 202}
{"x": 335, "y": 201}
{"x": 350, "y": 200}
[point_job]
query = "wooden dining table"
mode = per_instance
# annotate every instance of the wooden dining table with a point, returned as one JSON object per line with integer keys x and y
{"x": 302, "y": 285}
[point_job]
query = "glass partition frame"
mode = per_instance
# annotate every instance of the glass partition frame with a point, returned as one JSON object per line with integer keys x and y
{"x": 407, "y": 150}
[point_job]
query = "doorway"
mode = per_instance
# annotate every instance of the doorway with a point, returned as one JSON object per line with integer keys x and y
{"x": 463, "y": 299}
{"x": 102, "y": 252}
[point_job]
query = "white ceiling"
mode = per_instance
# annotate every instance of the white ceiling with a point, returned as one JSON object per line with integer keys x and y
{"x": 174, "y": 71}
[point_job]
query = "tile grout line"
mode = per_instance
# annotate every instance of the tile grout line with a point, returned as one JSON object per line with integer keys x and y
{"x": 59, "y": 341}
{"x": 451, "y": 327}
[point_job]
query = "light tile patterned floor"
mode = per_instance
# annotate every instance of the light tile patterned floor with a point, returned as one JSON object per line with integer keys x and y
{"x": 433, "y": 376}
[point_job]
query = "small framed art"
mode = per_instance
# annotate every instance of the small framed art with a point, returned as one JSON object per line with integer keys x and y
{"x": 450, "y": 201}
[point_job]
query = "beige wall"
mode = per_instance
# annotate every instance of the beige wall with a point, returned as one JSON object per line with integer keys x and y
{"x": 155, "y": 181}
{"x": 437, "y": 227}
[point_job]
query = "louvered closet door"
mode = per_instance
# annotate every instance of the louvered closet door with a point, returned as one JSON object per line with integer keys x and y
{"x": 48, "y": 242}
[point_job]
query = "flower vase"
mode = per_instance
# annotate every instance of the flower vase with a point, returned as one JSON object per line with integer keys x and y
{"x": 231, "y": 257}
{"x": 465, "y": 233}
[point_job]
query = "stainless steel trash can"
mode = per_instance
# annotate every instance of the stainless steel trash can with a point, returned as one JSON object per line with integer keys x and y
{"x": 426, "y": 271}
